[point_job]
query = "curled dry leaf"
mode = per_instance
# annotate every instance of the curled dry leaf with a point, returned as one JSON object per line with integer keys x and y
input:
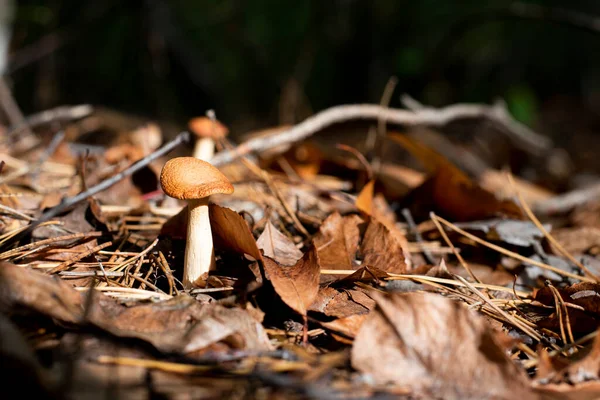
{"x": 384, "y": 249}
{"x": 231, "y": 231}
{"x": 436, "y": 348}
{"x": 297, "y": 285}
{"x": 180, "y": 324}
{"x": 337, "y": 241}
{"x": 279, "y": 247}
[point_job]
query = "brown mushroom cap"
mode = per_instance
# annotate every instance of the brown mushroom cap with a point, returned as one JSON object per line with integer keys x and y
{"x": 205, "y": 127}
{"x": 187, "y": 178}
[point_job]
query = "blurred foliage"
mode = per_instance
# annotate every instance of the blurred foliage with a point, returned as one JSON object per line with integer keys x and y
{"x": 252, "y": 61}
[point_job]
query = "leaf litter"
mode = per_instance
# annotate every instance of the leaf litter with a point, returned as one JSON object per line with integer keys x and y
{"x": 334, "y": 277}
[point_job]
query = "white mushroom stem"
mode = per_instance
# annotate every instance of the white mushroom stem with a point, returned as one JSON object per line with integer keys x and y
{"x": 204, "y": 148}
{"x": 199, "y": 252}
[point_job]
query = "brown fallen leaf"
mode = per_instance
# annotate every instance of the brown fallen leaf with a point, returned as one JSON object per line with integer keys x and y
{"x": 448, "y": 191}
{"x": 381, "y": 248}
{"x": 231, "y": 231}
{"x": 176, "y": 226}
{"x": 364, "y": 200}
{"x": 561, "y": 378}
{"x": 577, "y": 239}
{"x": 436, "y": 348}
{"x": 279, "y": 247}
{"x": 341, "y": 304}
{"x": 347, "y": 326}
{"x": 297, "y": 285}
{"x": 180, "y": 324}
{"x": 337, "y": 241}
{"x": 585, "y": 295}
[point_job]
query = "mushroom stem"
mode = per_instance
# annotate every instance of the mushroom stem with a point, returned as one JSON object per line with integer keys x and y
{"x": 204, "y": 148}
{"x": 199, "y": 252}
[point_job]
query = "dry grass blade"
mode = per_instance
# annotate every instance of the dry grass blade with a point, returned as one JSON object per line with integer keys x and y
{"x": 456, "y": 253}
{"x": 511, "y": 253}
{"x": 548, "y": 236}
{"x": 73, "y": 260}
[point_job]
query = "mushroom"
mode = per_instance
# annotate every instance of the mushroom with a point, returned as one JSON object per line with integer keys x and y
{"x": 207, "y": 131}
{"x": 194, "y": 180}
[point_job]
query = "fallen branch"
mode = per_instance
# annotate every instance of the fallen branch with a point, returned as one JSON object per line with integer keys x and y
{"x": 62, "y": 113}
{"x": 519, "y": 133}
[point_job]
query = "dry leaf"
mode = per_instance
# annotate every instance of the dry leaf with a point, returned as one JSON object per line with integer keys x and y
{"x": 337, "y": 241}
{"x": 576, "y": 240}
{"x": 449, "y": 191}
{"x": 585, "y": 295}
{"x": 364, "y": 200}
{"x": 341, "y": 304}
{"x": 348, "y": 326}
{"x": 279, "y": 247}
{"x": 231, "y": 231}
{"x": 570, "y": 379}
{"x": 382, "y": 249}
{"x": 176, "y": 226}
{"x": 180, "y": 324}
{"x": 436, "y": 348}
{"x": 297, "y": 285}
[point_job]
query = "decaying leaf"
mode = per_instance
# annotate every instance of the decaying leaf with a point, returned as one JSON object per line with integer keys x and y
{"x": 278, "y": 246}
{"x": 180, "y": 324}
{"x": 578, "y": 379}
{"x": 347, "y": 326}
{"x": 341, "y": 304}
{"x": 577, "y": 240}
{"x": 449, "y": 191}
{"x": 381, "y": 248}
{"x": 337, "y": 241}
{"x": 230, "y": 230}
{"x": 585, "y": 295}
{"x": 297, "y": 285}
{"x": 435, "y": 348}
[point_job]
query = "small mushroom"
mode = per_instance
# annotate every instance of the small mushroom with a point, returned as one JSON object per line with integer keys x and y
{"x": 194, "y": 180}
{"x": 207, "y": 132}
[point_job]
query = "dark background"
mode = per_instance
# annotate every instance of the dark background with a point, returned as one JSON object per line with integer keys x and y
{"x": 264, "y": 62}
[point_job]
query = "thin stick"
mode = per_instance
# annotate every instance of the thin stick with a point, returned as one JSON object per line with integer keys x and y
{"x": 386, "y": 97}
{"x": 361, "y": 158}
{"x": 515, "y": 322}
{"x": 73, "y": 260}
{"x": 426, "y": 116}
{"x": 154, "y": 364}
{"x": 62, "y": 113}
{"x": 449, "y": 243}
{"x": 415, "y": 231}
{"x": 10, "y": 253}
{"x": 49, "y": 150}
{"x": 183, "y": 137}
